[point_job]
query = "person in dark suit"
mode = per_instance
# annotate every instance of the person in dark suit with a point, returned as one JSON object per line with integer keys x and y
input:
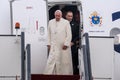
{"x": 74, "y": 42}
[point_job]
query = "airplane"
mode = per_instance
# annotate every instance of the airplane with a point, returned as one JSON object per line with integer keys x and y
{"x": 100, "y": 19}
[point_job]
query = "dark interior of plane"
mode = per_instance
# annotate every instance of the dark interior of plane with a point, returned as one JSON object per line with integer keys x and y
{"x": 64, "y": 9}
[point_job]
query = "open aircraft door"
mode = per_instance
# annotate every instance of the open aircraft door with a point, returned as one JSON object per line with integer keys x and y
{"x": 72, "y": 5}
{"x": 32, "y": 17}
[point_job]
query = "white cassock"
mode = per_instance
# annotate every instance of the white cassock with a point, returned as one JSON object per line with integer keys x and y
{"x": 59, "y": 60}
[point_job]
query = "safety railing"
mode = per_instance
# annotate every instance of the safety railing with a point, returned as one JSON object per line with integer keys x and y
{"x": 22, "y": 56}
{"x": 86, "y": 58}
{"x": 25, "y": 73}
{"x": 25, "y": 59}
{"x": 28, "y": 62}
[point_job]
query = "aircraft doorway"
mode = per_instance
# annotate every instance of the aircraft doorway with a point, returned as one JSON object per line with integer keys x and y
{"x": 75, "y": 8}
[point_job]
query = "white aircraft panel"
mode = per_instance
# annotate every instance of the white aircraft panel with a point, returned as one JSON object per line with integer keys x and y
{"x": 10, "y": 56}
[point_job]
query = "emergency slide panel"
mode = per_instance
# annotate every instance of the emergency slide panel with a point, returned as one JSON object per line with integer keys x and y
{"x": 102, "y": 57}
{"x": 10, "y": 57}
